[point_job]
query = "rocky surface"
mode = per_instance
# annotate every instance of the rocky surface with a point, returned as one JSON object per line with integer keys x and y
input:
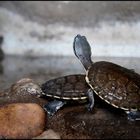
{"x": 21, "y": 121}
{"x": 25, "y": 90}
{"x": 48, "y": 134}
{"x": 104, "y": 122}
{"x": 25, "y": 86}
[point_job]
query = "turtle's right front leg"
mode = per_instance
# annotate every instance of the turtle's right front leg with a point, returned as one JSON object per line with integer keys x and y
{"x": 90, "y": 95}
{"x": 52, "y": 107}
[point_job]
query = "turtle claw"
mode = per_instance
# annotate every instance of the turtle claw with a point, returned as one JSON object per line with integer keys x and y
{"x": 52, "y": 107}
{"x": 133, "y": 115}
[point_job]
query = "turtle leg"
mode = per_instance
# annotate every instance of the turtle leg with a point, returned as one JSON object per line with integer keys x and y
{"x": 90, "y": 95}
{"x": 52, "y": 107}
{"x": 133, "y": 115}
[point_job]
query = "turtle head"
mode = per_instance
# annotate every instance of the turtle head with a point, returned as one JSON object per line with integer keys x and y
{"x": 82, "y": 50}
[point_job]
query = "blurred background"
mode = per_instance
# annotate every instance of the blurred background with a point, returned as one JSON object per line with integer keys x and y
{"x": 35, "y": 29}
{"x": 48, "y": 28}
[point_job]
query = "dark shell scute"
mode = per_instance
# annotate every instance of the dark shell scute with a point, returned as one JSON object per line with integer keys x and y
{"x": 60, "y": 80}
{"x": 58, "y": 92}
{"x": 112, "y": 76}
{"x": 132, "y": 87}
{"x": 121, "y": 90}
{"x": 80, "y": 78}
{"x": 101, "y": 79}
{"x": 71, "y": 79}
{"x": 68, "y": 87}
{"x": 80, "y": 86}
{"x": 122, "y": 80}
{"x": 110, "y": 87}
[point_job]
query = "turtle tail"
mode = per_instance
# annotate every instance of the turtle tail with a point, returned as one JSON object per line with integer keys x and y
{"x": 82, "y": 50}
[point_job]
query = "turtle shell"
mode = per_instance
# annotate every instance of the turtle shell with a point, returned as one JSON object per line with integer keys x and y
{"x": 115, "y": 84}
{"x": 71, "y": 87}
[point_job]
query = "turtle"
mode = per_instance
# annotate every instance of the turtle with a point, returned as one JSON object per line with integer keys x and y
{"x": 66, "y": 88}
{"x": 116, "y": 85}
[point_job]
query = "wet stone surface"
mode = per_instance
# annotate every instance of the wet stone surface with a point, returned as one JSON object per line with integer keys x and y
{"x": 73, "y": 120}
{"x": 103, "y": 122}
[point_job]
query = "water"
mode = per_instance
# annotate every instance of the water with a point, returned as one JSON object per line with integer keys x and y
{"x": 44, "y": 68}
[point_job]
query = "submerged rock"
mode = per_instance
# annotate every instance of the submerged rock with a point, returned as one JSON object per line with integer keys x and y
{"x": 21, "y": 120}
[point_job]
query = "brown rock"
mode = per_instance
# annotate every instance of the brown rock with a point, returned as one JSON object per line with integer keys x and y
{"x": 21, "y": 120}
{"x": 26, "y": 86}
{"x": 49, "y": 134}
{"x": 25, "y": 90}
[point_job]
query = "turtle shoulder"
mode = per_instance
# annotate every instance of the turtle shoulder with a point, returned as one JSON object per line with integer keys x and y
{"x": 70, "y": 87}
{"x": 115, "y": 84}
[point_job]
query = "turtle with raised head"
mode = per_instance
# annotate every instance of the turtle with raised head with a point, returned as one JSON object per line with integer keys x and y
{"x": 116, "y": 85}
{"x": 64, "y": 89}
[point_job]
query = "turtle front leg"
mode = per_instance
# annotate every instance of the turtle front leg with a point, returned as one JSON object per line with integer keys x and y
{"x": 90, "y": 95}
{"x": 52, "y": 107}
{"x": 133, "y": 115}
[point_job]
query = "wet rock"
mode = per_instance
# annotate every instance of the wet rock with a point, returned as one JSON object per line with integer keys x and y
{"x": 25, "y": 90}
{"x": 49, "y": 134}
{"x": 26, "y": 86}
{"x": 21, "y": 120}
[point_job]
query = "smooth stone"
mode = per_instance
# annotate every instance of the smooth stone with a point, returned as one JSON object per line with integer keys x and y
{"x": 22, "y": 120}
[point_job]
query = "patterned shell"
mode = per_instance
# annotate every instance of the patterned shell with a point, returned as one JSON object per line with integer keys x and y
{"x": 115, "y": 84}
{"x": 71, "y": 87}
